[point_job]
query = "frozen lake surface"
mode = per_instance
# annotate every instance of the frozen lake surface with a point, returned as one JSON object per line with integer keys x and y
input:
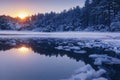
{"x": 59, "y": 56}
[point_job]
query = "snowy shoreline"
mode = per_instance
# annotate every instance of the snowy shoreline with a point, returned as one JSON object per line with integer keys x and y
{"x": 107, "y": 40}
{"x": 79, "y": 35}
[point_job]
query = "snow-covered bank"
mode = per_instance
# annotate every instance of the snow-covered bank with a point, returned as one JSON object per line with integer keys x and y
{"x": 80, "y": 35}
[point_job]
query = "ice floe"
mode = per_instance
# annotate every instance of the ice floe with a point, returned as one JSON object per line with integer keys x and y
{"x": 88, "y": 73}
{"x": 99, "y": 59}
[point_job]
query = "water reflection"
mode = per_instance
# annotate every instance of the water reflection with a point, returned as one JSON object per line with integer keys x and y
{"x": 44, "y": 61}
{"x": 24, "y": 50}
{"x": 40, "y": 46}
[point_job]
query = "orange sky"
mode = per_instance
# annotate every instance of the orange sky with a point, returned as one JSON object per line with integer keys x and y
{"x": 15, "y": 7}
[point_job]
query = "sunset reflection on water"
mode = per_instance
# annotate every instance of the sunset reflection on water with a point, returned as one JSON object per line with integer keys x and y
{"x": 24, "y": 50}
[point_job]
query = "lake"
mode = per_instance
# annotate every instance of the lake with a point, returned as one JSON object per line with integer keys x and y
{"x": 53, "y": 58}
{"x": 31, "y": 60}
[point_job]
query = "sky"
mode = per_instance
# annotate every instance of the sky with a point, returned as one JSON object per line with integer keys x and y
{"x": 31, "y": 7}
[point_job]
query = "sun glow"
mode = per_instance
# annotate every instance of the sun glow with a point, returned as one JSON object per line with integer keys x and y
{"x": 24, "y": 50}
{"x": 22, "y": 15}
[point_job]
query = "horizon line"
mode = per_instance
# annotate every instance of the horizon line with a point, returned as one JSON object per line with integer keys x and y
{"x": 57, "y": 12}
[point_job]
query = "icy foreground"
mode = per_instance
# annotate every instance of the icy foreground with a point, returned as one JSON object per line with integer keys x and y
{"x": 84, "y": 46}
{"x": 80, "y": 43}
{"x": 86, "y": 72}
{"x": 99, "y": 59}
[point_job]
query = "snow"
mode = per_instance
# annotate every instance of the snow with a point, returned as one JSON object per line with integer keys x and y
{"x": 86, "y": 72}
{"x": 110, "y": 41}
{"x": 91, "y": 44}
{"x": 99, "y": 59}
{"x": 75, "y": 49}
{"x": 79, "y": 35}
{"x": 107, "y": 40}
{"x": 59, "y": 47}
{"x": 80, "y": 52}
{"x": 100, "y": 79}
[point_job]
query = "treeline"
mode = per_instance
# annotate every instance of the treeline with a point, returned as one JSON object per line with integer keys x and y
{"x": 101, "y": 14}
{"x": 96, "y": 15}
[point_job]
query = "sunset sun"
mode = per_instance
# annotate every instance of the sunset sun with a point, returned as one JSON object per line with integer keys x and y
{"x": 22, "y": 15}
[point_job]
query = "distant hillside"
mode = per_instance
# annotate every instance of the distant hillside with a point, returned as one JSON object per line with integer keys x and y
{"x": 96, "y": 15}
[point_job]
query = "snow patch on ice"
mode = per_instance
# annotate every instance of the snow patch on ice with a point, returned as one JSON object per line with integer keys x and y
{"x": 80, "y": 52}
{"x": 107, "y": 45}
{"x": 88, "y": 73}
{"x": 99, "y": 59}
{"x": 75, "y": 49}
